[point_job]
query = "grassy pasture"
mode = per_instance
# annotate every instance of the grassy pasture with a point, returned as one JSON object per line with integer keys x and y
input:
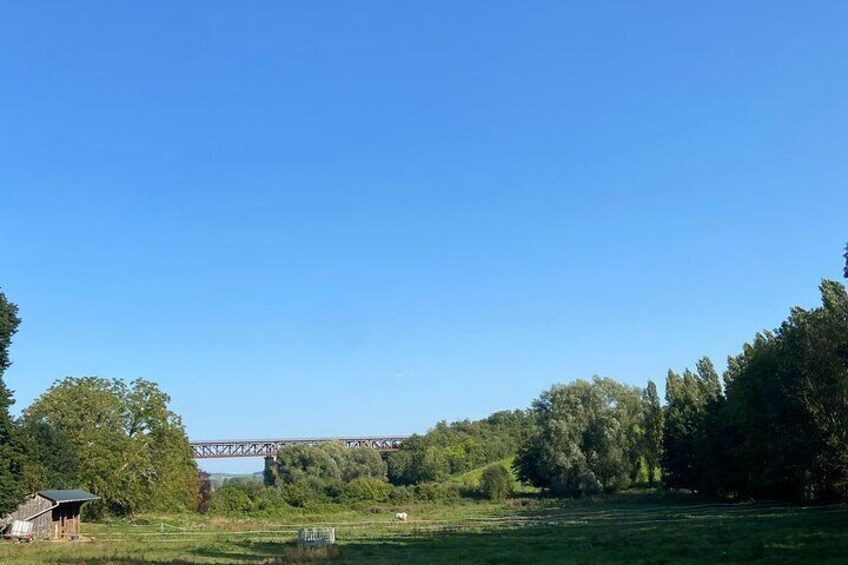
{"x": 632, "y": 528}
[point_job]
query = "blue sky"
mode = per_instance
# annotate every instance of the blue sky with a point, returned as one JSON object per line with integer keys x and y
{"x": 364, "y": 217}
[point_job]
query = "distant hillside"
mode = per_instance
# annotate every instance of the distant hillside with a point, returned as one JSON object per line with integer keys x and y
{"x": 472, "y": 477}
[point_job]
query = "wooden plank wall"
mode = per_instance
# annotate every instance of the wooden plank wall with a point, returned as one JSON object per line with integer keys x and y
{"x": 41, "y": 526}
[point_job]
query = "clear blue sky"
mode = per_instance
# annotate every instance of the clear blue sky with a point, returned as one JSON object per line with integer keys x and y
{"x": 362, "y": 217}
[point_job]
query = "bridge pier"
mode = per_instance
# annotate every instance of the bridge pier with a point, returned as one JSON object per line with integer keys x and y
{"x": 269, "y": 474}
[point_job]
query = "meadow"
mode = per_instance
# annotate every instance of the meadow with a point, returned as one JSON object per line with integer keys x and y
{"x": 634, "y": 528}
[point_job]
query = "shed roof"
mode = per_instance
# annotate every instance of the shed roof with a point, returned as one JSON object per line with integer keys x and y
{"x": 69, "y": 495}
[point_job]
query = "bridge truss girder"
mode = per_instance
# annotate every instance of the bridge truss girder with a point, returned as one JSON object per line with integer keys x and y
{"x": 269, "y": 447}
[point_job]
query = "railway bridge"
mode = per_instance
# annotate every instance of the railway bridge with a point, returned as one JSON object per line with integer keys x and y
{"x": 267, "y": 448}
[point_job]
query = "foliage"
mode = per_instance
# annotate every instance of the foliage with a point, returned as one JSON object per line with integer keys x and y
{"x": 326, "y": 462}
{"x": 845, "y": 270}
{"x": 366, "y": 489}
{"x": 204, "y": 492}
{"x": 588, "y": 438}
{"x": 231, "y": 499}
{"x": 688, "y": 397}
{"x": 12, "y": 460}
{"x": 495, "y": 482}
{"x": 301, "y": 461}
{"x": 652, "y": 426}
{"x": 305, "y": 476}
{"x": 9, "y": 323}
{"x": 131, "y": 449}
{"x": 780, "y": 428}
{"x": 449, "y": 449}
{"x": 305, "y": 492}
{"x": 360, "y": 463}
{"x": 436, "y": 492}
{"x": 52, "y": 459}
{"x": 786, "y": 410}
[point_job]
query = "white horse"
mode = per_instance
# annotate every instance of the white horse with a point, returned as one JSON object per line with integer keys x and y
{"x": 401, "y": 516}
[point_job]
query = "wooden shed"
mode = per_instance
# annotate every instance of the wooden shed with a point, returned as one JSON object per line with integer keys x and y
{"x": 55, "y": 514}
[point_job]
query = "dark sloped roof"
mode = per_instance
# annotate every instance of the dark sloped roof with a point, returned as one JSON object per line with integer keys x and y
{"x": 71, "y": 495}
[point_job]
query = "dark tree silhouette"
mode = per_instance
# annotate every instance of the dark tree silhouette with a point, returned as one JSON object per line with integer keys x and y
{"x": 11, "y": 458}
{"x": 204, "y": 494}
{"x": 845, "y": 271}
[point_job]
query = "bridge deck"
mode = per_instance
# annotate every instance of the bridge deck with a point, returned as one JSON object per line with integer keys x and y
{"x": 215, "y": 449}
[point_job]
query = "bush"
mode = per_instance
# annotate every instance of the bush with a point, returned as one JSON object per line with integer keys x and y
{"x": 401, "y": 495}
{"x": 230, "y": 500}
{"x": 304, "y": 492}
{"x": 365, "y": 489}
{"x": 435, "y": 492}
{"x": 496, "y": 482}
{"x": 270, "y": 500}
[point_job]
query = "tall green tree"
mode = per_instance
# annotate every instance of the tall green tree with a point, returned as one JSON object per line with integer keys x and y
{"x": 688, "y": 398}
{"x": 300, "y": 462}
{"x": 767, "y": 433}
{"x": 679, "y": 431}
{"x": 132, "y": 450}
{"x": 585, "y": 440}
{"x": 653, "y": 431}
{"x": 819, "y": 340}
{"x": 780, "y": 430}
{"x": 52, "y": 460}
{"x": 11, "y": 459}
{"x": 845, "y": 270}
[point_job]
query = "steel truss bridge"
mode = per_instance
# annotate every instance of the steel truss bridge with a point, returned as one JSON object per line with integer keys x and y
{"x": 269, "y": 447}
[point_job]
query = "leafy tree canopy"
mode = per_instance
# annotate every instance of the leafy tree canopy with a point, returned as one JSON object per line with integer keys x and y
{"x": 131, "y": 449}
{"x": 11, "y": 457}
{"x": 587, "y": 439}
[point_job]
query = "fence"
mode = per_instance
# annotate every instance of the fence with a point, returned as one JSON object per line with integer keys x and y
{"x": 316, "y": 537}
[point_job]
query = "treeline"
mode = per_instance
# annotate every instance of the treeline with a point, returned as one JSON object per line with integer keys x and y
{"x": 120, "y": 441}
{"x": 774, "y": 426}
{"x": 305, "y": 476}
{"x": 779, "y": 427}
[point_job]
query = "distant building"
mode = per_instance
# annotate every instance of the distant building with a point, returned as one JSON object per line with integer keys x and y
{"x": 55, "y": 514}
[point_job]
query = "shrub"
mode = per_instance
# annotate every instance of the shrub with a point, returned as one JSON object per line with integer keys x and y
{"x": 304, "y": 492}
{"x": 365, "y": 489}
{"x": 401, "y": 495}
{"x": 496, "y": 482}
{"x": 434, "y": 492}
{"x": 270, "y": 499}
{"x": 230, "y": 500}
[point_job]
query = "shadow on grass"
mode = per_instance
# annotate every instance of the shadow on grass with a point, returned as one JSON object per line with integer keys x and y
{"x": 246, "y": 551}
{"x": 790, "y": 537}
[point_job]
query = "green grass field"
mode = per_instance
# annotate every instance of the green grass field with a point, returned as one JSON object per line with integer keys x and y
{"x": 634, "y": 528}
